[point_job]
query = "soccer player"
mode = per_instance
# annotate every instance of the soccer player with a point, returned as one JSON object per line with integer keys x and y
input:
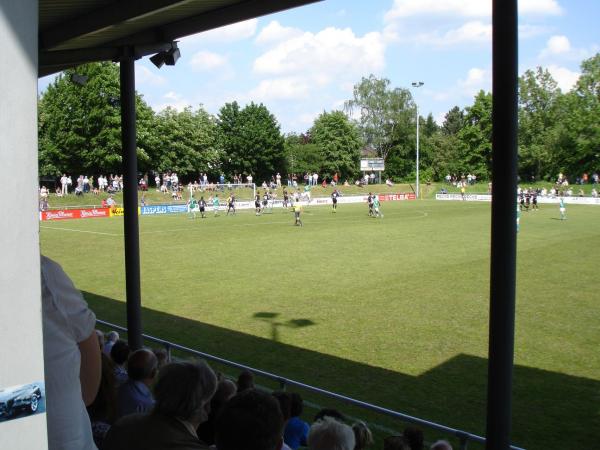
{"x": 257, "y": 204}
{"x": 231, "y": 204}
{"x": 265, "y": 201}
{"x": 370, "y": 202}
{"x": 202, "y": 205}
{"x": 192, "y": 207}
{"x": 286, "y": 198}
{"x": 562, "y": 209}
{"x": 334, "y": 199}
{"x": 376, "y": 207}
{"x": 534, "y": 204}
{"x": 216, "y": 204}
{"x": 297, "y": 210}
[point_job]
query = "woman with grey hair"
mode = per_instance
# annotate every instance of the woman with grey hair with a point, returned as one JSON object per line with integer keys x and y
{"x": 330, "y": 434}
{"x": 182, "y": 393}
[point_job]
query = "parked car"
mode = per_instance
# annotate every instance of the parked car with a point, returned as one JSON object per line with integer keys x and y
{"x": 20, "y": 398}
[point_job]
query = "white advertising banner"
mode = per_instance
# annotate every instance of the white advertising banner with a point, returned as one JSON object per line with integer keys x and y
{"x": 540, "y": 199}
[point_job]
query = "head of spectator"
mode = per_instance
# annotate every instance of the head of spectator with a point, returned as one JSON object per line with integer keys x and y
{"x": 245, "y": 381}
{"x": 112, "y": 336}
{"x": 225, "y": 390}
{"x": 120, "y": 352}
{"x": 161, "y": 356}
{"x": 395, "y": 443}
{"x": 142, "y": 366}
{"x": 285, "y": 404}
{"x": 441, "y": 445}
{"x": 330, "y": 434}
{"x": 251, "y": 420}
{"x": 414, "y": 437}
{"x": 297, "y": 405}
{"x": 184, "y": 390}
{"x": 363, "y": 437}
{"x": 329, "y": 412}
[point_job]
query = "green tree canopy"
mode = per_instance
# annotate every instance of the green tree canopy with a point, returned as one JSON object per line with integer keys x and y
{"x": 251, "y": 141}
{"x": 339, "y": 143}
{"x": 80, "y": 125}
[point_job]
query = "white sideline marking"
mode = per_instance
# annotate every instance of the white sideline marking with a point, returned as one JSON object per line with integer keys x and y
{"x": 80, "y": 231}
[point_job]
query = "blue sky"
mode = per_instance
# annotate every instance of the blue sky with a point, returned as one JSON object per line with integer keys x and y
{"x": 304, "y": 61}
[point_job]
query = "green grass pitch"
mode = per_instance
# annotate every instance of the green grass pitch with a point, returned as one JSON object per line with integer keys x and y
{"x": 393, "y": 311}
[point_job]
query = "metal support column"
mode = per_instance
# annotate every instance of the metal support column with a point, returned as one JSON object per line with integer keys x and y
{"x": 503, "y": 245}
{"x": 130, "y": 201}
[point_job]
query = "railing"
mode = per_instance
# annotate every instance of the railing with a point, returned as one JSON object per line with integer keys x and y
{"x": 464, "y": 437}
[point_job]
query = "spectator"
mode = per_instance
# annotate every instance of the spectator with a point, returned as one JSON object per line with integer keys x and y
{"x": 363, "y": 437}
{"x": 119, "y": 354}
{"x": 395, "y": 443}
{"x": 245, "y": 381}
{"x": 183, "y": 392}
{"x": 330, "y": 434}
{"x": 251, "y": 420}
{"x": 134, "y": 395}
{"x": 296, "y": 430}
{"x": 225, "y": 390}
{"x": 111, "y": 338}
{"x": 285, "y": 405}
{"x": 161, "y": 356}
{"x": 72, "y": 362}
{"x": 441, "y": 445}
{"x": 414, "y": 438}
{"x": 100, "y": 335}
{"x": 103, "y": 411}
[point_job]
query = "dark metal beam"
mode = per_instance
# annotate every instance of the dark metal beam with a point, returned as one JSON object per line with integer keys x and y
{"x": 504, "y": 233}
{"x": 104, "y": 17}
{"x": 130, "y": 202}
{"x": 212, "y": 19}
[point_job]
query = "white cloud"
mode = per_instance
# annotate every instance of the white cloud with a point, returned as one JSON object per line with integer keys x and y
{"x": 473, "y": 32}
{"x": 564, "y": 77}
{"x": 143, "y": 75}
{"x": 477, "y": 79}
{"x": 559, "y": 47}
{"x": 331, "y": 52}
{"x": 465, "y": 8}
{"x": 557, "y": 44}
{"x": 229, "y": 33}
{"x": 205, "y": 61}
{"x": 174, "y": 100}
{"x": 275, "y": 32}
{"x": 286, "y": 88}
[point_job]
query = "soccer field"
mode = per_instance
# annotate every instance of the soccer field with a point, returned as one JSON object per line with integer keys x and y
{"x": 393, "y": 311}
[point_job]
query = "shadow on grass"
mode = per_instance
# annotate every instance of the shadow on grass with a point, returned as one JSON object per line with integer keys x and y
{"x": 550, "y": 409}
{"x": 275, "y": 325}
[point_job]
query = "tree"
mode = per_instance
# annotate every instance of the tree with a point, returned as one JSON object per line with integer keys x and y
{"x": 302, "y": 155}
{"x": 538, "y": 95}
{"x": 185, "y": 142}
{"x": 251, "y": 141}
{"x": 476, "y": 136}
{"x": 339, "y": 144}
{"x": 454, "y": 121}
{"x": 382, "y": 112}
{"x": 80, "y": 125}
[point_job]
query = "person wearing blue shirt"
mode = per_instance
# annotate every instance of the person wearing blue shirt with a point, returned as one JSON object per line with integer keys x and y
{"x": 296, "y": 430}
{"x": 134, "y": 396}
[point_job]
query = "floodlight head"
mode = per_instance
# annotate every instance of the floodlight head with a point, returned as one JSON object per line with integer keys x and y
{"x": 417, "y": 83}
{"x": 79, "y": 79}
{"x": 158, "y": 60}
{"x": 172, "y": 55}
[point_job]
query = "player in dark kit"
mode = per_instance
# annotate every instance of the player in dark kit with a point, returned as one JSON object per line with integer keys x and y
{"x": 257, "y": 204}
{"x": 286, "y": 198}
{"x": 527, "y": 199}
{"x": 534, "y": 204}
{"x": 334, "y": 199}
{"x": 370, "y": 202}
{"x": 521, "y": 200}
{"x": 231, "y": 204}
{"x": 202, "y": 205}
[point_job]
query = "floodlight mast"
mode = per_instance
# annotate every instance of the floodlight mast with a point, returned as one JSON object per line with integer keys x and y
{"x": 417, "y": 84}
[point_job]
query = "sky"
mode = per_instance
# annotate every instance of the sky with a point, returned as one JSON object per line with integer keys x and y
{"x": 304, "y": 61}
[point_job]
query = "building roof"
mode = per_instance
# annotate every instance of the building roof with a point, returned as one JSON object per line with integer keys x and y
{"x": 73, "y": 32}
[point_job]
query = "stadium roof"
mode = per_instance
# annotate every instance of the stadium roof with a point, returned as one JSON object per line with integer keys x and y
{"x": 73, "y": 32}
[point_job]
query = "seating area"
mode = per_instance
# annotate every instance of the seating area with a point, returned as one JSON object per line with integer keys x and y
{"x": 232, "y": 413}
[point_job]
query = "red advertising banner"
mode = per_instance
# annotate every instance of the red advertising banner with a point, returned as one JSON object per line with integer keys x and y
{"x": 397, "y": 197}
{"x": 63, "y": 214}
